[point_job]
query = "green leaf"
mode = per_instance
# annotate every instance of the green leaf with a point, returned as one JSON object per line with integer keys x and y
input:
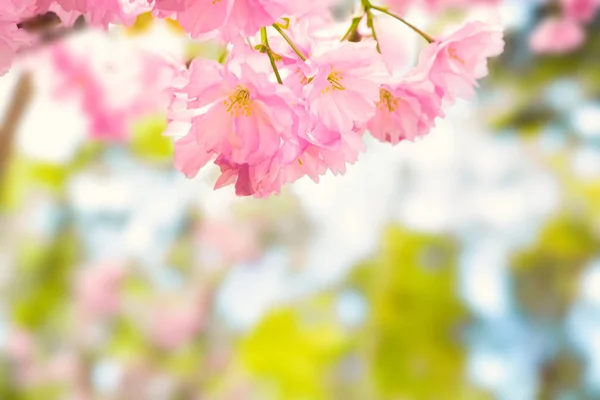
{"x": 148, "y": 140}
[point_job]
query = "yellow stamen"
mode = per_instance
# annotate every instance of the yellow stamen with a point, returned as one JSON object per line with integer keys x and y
{"x": 387, "y": 100}
{"x": 452, "y": 52}
{"x": 239, "y": 103}
{"x": 334, "y": 78}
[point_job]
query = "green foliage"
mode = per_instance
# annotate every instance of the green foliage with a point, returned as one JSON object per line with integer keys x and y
{"x": 25, "y": 174}
{"x": 148, "y": 141}
{"x": 186, "y": 361}
{"x": 43, "y": 283}
{"x": 292, "y": 356}
{"x": 547, "y": 272}
{"x": 411, "y": 340}
{"x": 128, "y": 343}
{"x": 524, "y": 81}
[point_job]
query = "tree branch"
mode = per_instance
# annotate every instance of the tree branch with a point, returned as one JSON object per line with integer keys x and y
{"x": 16, "y": 109}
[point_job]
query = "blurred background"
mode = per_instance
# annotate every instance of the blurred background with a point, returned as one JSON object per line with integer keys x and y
{"x": 463, "y": 266}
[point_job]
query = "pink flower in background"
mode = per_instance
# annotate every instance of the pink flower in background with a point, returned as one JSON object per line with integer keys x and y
{"x": 62, "y": 367}
{"x": 227, "y": 242}
{"x": 76, "y": 78}
{"x": 20, "y": 346}
{"x": 556, "y": 36}
{"x": 401, "y": 6}
{"x": 97, "y": 289}
{"x": 11, "y": 37}
{"x": 456, "y": 61}
{"x": 174, "y": 327}
{"x": 405, "y": 111}
{"x": 580, "y": 10}
{"x": 99, "y": 12}
{"x": 111, "y": 88}
{"x": 11, "y": 40}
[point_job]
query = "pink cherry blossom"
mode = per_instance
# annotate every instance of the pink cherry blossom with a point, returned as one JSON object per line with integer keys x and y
{"x": 342, "y": 90}
{"x": 172, "y": 327}
{"x": 556, "y": 36}
{"x": 226, "y": 242}
{"x": 401, "y": 6}
{"x": 580, "y": 10}
{"x": 263, "y": 135}
{"x": 99, "y": 12}
{"x": 392, "y": 43}
{"x": 11, "y": 37}
{"x": 112, "y": 87}
{"x": 20, "y": 346}
{"x": 405, "y": 111}
{"x": 11, "y": 40}
{"x": 225, "y": 18}
{"x": 455, "y": 62}
{"x": 245, "y": 122}
{"x": 97, "y": 289}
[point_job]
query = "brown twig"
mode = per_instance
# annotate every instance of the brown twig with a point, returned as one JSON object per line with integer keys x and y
{"x": 16, "y": 109}
{"x": 48, "y": 29}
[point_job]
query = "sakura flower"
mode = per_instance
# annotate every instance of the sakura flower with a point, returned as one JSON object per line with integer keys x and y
{"x": 112, "y": 87}
{"x": 97, "y": 289}
{"x": 99, "y": 12}
{"x": 227, "y": 18}
{"x": 316, "y": 159}
{"x": 248, "y": 16}
{"x": 246, "y": 120}
{"x": 556, "y": 36}
{"x": 401, "y": 6}
{"x": 580, "y": 10}
{"x": 343, "y": 90}
{"x": 392, "y": 42}
{"x": 172, "y": 327}
{"x": 20, "y": 346}
{"x": 11, "y": 37}
{"x": 227, "y": 242}
{"x": 11, "y": 40}
{"x": 456, "y": 61}
{"x": 405, "y": 111}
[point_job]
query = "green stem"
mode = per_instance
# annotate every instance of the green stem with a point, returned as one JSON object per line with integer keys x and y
{"x": 265, "y": 42}
{"x": 353, "y": 27}
{"x": 289, "y": 41}
{"x": 372, "y": 26}
{"x": 411, "y": 26}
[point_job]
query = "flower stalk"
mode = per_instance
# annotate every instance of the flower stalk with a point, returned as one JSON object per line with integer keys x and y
{"x": 265, "y": 42}
{"x": 290, "y": 42}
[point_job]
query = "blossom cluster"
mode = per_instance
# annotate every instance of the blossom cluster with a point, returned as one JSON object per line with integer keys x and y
{"x": 295, "y": 95}
{"x": 295, "y": 100}
{"x": 557, "y": 34}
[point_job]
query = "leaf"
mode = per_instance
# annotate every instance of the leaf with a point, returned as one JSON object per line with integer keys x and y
{"x": 147, "y": 139}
